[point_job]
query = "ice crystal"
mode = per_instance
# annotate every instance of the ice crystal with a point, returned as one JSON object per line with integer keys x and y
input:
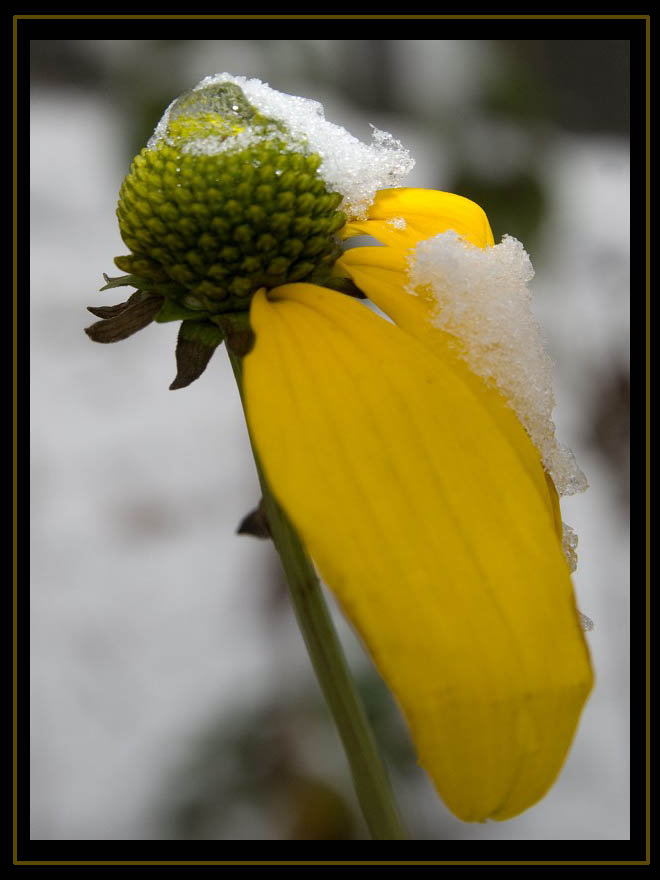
{"x": 569, "y": 542}
{"x": 586, "y": 623}
{"x": 397, "y": 222}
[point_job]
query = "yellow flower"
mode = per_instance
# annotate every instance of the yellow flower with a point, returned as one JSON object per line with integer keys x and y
{"x": 425, "y": 506}
{"x": 414, "y": 485}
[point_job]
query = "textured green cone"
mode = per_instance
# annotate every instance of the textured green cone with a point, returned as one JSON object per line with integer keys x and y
{"x": 224, "y": 203}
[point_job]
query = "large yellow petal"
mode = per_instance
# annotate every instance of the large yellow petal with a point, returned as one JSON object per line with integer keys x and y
{"x": 402, "y": 217}
{"x": 382, "y": 274}
{"x": 434, "y": 537}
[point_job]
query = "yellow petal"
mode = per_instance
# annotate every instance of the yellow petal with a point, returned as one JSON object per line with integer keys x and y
{"x": 381, "y": 273}
{"x": 402, "y": 217}
{"x": 421, "y": 518}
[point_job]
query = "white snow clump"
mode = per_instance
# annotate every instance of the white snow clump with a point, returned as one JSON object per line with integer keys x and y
{"x": 348, "y": 166}
{"x": 483, "y": 300}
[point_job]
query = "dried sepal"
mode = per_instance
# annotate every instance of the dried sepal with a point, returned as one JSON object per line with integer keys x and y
{"x": 125, "y": 320}
{"x": 106, "y": 312}
{"x": 237, "y": 331}
{"x": 194, "y": 348}
{"x": 255, "y": 523}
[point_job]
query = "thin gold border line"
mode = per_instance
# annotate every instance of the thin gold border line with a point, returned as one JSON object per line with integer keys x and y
{"x": 15, "y": 450}
{"x": 648, "y": 439}
{"x": 343, "y": 17}
{"x": 345, "y": 862}
{"x": 16, "y": 18}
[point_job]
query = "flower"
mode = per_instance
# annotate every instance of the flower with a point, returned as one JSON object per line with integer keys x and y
{"x": 416, "y": 487}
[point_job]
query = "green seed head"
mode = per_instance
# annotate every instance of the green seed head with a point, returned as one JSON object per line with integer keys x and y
{"x": 223, "y": 202}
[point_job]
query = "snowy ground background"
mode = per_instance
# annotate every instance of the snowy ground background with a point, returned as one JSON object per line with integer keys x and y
{"x": 161, "y": 644}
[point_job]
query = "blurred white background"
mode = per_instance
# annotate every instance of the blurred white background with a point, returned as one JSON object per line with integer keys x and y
{"x": 171, "y": 695}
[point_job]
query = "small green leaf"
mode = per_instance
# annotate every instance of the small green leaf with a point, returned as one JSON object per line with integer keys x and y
{"x": 122, "y": 281}
{"x": 172, "y": 311}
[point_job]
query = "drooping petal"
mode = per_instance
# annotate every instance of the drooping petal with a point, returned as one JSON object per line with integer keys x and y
{"x": 382, "y": 274}
{"x": 402, "y": 217}
{"x": 434, "y": 537}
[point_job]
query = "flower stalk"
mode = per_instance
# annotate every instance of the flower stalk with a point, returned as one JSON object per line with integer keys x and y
{"x": 372, "y": 786}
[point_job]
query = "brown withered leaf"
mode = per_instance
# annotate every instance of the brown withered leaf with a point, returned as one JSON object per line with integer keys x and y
{"x": 125, "y": 320}
{"x": 106, "y": 312}
{"x": 255, "y": 523}
{"x": 192, "y": 358}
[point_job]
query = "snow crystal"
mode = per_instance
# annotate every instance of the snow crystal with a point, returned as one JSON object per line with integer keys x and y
{"x": 586, "y": 623}
{"x": 348, "y": 166}
{"x": 483, "y": 300}
{"x": 569, "y": 543}
{"x": 397, "y": 222}
{"x": 215, "y": 144}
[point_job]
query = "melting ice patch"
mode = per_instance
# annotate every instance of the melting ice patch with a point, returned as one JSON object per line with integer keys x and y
{"x": 569, "y": 542}
{"x": 586, "y": 623}
{"x": 483, "y": 300}
{"x": 348, "y": 166}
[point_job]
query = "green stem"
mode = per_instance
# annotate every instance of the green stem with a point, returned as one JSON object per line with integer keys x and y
{"x": 369, "y": 775}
